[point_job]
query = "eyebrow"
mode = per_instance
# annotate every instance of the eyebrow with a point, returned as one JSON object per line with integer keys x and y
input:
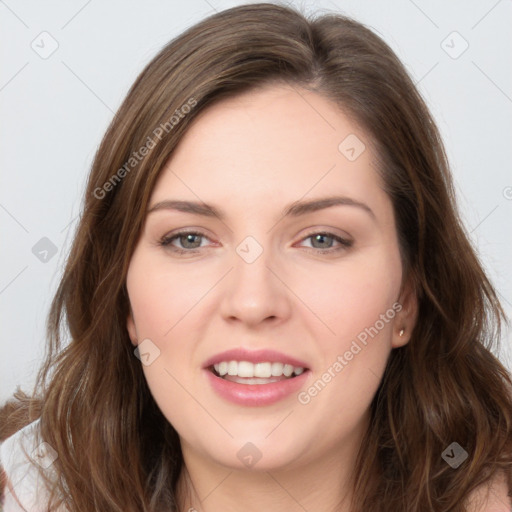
{"x": 294, "y": 209}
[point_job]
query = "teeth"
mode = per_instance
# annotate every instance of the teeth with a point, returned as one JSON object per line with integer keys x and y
{"x": 287, "y": 370}
{"x": 232, "y": 368}
{"x": 222, "y": 368}
{"x": 245, "y": 369}
{"x": 277, "y": 369}
{"x": 263, "y": 370}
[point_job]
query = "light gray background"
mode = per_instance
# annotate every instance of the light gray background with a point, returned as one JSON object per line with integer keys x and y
{"x": 55, "y": 110}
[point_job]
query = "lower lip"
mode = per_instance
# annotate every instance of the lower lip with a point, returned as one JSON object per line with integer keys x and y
{"x": 254, "y": 395}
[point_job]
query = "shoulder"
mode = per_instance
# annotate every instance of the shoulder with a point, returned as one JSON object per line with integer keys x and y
{"x": 492, "y": 496}
{"x": 21, "y": 456}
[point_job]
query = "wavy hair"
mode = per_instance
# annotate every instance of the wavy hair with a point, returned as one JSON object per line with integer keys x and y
{"x": 445, "y": 385}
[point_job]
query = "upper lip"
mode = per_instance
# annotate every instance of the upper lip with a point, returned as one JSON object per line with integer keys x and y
{"x": 254, "y": 356}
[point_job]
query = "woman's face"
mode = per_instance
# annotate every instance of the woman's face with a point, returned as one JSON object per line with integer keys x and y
{"x": 273, "y": 269}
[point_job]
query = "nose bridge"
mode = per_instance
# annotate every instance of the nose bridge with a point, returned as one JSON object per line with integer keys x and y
{"x": 253, "y": 292}
{"x": 252, "y": 264}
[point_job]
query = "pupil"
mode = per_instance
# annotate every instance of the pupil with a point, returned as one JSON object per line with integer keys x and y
{"x": 189, "y": 238}
{"x": 319, "y": 238}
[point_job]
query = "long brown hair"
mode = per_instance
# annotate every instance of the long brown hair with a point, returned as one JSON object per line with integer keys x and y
{"x": 444, "y": 386}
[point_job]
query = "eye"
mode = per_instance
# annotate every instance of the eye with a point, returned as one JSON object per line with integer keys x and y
{"x": 323, "y": 242}
{"x": 189, "y": 240}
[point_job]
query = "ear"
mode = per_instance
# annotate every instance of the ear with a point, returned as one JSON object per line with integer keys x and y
{"x": 132, "y": 332}
{"x": 407, "y": 314}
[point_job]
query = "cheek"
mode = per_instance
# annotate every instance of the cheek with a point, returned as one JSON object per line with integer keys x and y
{"x": 353, "y": 297}
{"x": 161, "y": 295}
{"x": 356, "y": 304}
{"x": 163, "y": 305}
{"x": 167, "y": 308}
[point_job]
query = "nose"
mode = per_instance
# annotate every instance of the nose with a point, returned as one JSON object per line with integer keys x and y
{"x": 256, "y": 292}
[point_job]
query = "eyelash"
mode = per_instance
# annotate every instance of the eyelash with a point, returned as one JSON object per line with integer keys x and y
{"x": 344, "y": 243}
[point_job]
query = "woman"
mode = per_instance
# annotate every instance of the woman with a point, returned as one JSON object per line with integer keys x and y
{"x": 270, "y": 297}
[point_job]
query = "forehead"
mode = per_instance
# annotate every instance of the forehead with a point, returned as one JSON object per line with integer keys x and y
{"x": 269, "y": 146}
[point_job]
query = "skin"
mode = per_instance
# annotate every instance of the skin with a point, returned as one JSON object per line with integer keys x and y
{"x": 251, "y": 156}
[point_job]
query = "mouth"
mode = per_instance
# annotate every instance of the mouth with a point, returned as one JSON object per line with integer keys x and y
{"x": 245, "y": 372}
{"x": 256, "y": 384}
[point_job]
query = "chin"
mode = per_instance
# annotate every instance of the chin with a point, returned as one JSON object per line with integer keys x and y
{"x": 254, "y": 454}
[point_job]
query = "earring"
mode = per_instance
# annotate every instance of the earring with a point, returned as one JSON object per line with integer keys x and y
{"x": 401, "y": 333}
